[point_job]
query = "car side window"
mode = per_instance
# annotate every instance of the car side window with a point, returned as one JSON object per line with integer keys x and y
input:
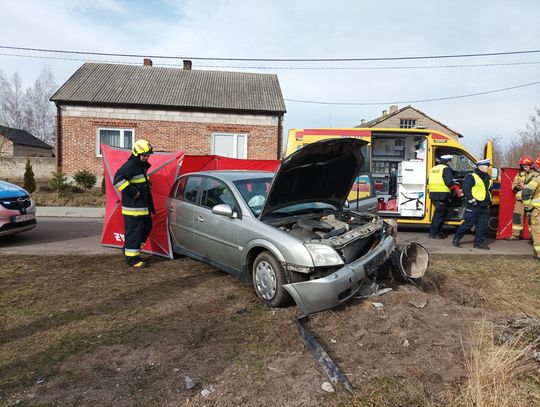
{"x": 188, "y": 188}
{"x": 216, "y": 192}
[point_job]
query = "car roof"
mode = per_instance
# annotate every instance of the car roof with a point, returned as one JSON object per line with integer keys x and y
{"x": 234, "y": 175}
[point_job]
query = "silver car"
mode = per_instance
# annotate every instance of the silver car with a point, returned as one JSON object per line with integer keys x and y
{"x": 289, "y": 234}
{"x": 17, "y": 210}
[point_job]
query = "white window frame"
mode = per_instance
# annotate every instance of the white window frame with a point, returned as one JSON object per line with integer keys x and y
{"x": 235, "y": 136}
{"x": 409, "y": 123}
{"x": 121, "y": 130}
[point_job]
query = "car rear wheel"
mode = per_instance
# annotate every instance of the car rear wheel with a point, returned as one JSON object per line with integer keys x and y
{"x": 268, "y": 280}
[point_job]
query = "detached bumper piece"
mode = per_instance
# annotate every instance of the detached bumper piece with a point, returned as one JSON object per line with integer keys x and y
{"x": 326, "y": 362}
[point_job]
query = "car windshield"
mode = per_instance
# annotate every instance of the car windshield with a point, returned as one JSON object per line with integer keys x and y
{"x": 254, "y": 192}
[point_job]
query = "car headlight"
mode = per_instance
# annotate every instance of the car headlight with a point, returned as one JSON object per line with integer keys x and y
{"x": 323, "y": 255}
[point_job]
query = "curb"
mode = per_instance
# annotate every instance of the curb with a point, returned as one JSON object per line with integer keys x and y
{"x": 69, "y": 212}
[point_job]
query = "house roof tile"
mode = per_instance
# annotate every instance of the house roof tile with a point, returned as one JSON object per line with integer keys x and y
{"x": 115, "y": 84}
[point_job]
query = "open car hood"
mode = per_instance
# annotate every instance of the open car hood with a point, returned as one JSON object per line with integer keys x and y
{"x": 319, "y": 172}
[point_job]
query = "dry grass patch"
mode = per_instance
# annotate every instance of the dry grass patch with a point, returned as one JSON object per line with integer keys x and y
{"x": 91, "y": 198}
{"x": 500, "y": 375}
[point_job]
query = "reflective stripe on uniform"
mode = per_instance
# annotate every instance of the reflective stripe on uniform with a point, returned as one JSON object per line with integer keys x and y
{"x": 132, "y": 252}
{"x": 135, "y": 211}
{"x": 537, "y": 249}
{"x": 138, "y": 179}
{"x": 536, "y": 202}
{"x": 517, "y": 227}
{"x": 122, "y": 184}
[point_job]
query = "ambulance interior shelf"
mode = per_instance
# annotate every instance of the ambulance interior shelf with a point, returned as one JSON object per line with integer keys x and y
{"x": 393, "y": 185}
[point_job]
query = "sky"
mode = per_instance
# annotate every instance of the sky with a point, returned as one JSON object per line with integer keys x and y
{"x": 310, "y": 29}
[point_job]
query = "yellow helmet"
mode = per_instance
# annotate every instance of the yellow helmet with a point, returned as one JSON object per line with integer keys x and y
{"x": 142, "y": 147}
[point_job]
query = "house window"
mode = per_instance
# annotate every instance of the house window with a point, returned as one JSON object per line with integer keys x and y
{"x": 407, "y": 123}
{"x": 121, "y": 138}
{"x": 229, "y": 145}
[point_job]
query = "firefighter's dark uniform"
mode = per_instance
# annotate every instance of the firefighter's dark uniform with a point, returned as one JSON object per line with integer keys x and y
{"x": 440, "y": 180}
{"x": 137, "y": 205}
{"x": 477, "y": 190}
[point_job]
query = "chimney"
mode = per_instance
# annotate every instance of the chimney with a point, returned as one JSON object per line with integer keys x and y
{"x": 187, "y": 64}
{"x": 393, "y": 109}
{"x": 384, "y": 113}
{"x": 363, "y": 121}
{"x": 147, "y": 62}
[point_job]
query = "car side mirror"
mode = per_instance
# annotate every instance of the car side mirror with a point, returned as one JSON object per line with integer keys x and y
{"x": 224, "y": 210}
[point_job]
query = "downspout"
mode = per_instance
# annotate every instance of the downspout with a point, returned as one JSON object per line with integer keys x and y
{"x": 279, "y": 135}
{"x": 58, "y": 137}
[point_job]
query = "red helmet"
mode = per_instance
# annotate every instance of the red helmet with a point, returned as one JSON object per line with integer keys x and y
{"x": 537, "y": 163}
{"x": 526, "y": 160}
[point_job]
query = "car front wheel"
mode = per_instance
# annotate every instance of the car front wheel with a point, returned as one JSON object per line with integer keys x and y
{"x": 268, "y": 280}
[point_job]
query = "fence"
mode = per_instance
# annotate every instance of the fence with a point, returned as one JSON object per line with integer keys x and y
{"x": 12, "y": 168}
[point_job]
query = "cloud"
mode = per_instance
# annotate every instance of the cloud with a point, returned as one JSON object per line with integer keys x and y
{"x": 310, "y": 29}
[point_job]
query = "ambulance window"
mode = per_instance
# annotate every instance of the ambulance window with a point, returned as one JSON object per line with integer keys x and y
{"x": 460, "y": 163}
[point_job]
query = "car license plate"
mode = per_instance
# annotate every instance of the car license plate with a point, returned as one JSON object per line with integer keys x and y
{"x": 23, "y": 218}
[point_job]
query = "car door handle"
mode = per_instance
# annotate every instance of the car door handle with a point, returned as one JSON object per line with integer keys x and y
{"x": 199, "y": 218}
{"x": 371, "y": 208}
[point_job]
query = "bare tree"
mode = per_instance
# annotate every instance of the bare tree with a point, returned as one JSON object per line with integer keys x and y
{"x": 12, "y": 101}
{"x": 528, "y": 142}
{"x": 29, "y": 110}
{"x": 39, "y": 111}
{"x": 498, "y": 152}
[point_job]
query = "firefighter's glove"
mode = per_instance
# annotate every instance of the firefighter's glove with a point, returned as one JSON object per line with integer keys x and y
{"x": 472, "y": 202}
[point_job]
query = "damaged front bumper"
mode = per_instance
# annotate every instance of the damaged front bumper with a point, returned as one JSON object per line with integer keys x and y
{"x": 327, "y": 292}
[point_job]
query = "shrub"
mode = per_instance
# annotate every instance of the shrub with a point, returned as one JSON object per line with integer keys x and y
{"x": 29, "y": 179}
{"x": 85, "y": 179}
{"x": 58, "y": 182}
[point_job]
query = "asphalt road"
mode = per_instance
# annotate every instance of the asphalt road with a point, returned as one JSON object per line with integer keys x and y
{"x": 61, "y": 235}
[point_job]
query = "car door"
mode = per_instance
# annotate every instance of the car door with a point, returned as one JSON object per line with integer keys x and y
{"x": 182, "y": 203}
{"x": 216, "y": 236}
{"x": 362, "y": 196}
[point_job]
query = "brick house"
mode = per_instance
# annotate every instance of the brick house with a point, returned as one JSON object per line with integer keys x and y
{"x": 233, "y": 114}
{"x": 408, "y": 117}
{"x": 20, "y": 143}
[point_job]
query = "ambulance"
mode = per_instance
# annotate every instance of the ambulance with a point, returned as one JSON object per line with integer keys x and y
{"x": 393, "y": 179}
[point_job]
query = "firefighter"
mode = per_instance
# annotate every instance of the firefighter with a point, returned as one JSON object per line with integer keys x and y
{"x": 132, "y": 181}
{"x": 440, "y": 184}
{"x": 536, "y": 165}
{"x": 522, "y": 178}
{"x": 477, "y": 190}
{"x": 531, "y": 203}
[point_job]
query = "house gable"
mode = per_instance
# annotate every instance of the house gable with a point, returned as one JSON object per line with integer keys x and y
{"x": 394, "y": 118}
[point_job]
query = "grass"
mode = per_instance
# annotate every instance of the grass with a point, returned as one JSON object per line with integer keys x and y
{"x": 499, "y": 375}
{"x": 91, "y": 198}
{"x": 56, "y": 312}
